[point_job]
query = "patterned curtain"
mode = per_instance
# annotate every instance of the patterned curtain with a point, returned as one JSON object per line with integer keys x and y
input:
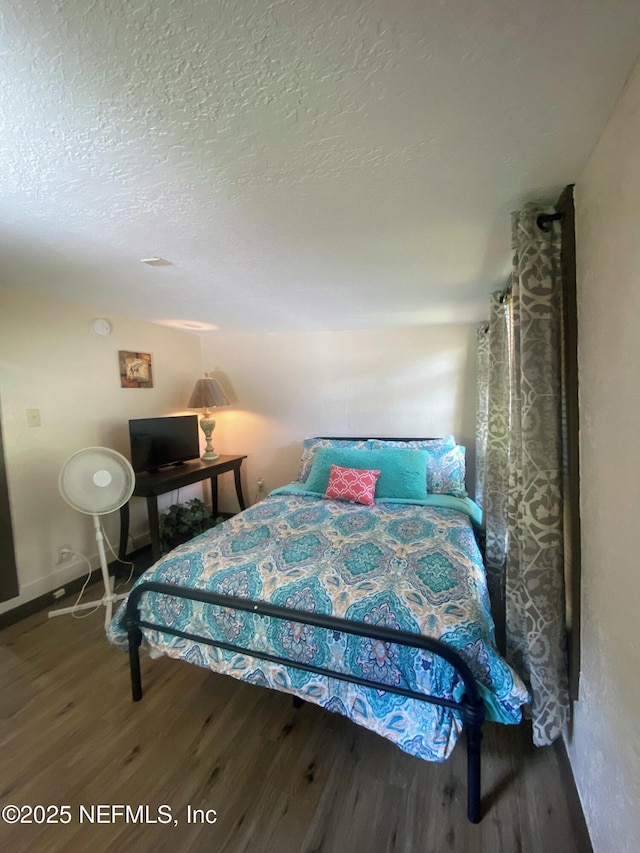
{"x": 523, "y": 474}
{"x": 492, "y": 448}
{"x": 482, "y": 408}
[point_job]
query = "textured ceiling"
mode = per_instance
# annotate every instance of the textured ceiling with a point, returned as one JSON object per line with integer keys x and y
{"x": 304, "y": 164}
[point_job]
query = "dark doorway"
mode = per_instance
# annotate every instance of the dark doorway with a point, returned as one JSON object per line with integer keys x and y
{"x": 8, "y": 573}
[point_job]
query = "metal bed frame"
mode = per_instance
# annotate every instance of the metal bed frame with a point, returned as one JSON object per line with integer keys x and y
{"x": 471, "y": 706}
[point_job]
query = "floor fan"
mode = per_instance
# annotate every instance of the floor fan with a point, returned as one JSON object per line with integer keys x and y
{"x": 97, "y": 481}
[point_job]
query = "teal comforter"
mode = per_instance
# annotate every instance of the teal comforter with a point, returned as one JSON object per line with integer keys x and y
{"x": 406, "y": 566}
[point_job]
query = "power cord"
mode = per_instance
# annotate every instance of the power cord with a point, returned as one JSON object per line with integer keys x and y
{"x": 84, "y": 586}
{"x": 88, "y": 578}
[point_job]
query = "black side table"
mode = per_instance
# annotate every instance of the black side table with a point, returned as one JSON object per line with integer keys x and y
{"x": 151, "y": 485}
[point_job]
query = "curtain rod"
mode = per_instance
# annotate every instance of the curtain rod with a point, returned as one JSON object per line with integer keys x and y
{"x": 544, "y": 220}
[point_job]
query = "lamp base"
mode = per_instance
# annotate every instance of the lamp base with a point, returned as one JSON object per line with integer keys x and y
{"x": 207, "y": 425}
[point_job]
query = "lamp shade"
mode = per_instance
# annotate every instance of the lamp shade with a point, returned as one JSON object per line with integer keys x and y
{"x": 207, "y": 394}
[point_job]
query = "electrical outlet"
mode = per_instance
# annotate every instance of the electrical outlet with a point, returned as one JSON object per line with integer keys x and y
{"x": 260, "y": 483}
{"x": 64, "y": 553}
{"x": 60, "y": 593}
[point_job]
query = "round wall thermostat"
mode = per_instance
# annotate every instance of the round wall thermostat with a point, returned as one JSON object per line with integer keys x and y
{"x": 101, "y": 326}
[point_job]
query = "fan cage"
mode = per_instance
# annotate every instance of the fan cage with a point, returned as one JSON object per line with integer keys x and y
{"x": 78, "y": 486}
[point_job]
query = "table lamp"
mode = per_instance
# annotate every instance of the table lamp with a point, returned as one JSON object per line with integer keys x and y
{"x": 207, "y": 394}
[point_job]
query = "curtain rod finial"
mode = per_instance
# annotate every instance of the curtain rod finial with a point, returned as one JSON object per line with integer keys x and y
{"x": 544, "y": 220}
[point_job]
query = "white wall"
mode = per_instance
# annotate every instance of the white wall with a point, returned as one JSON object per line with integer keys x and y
{"x": 52, "y": 361}
{"x": 417, "y": 381}
{"x": 412, "y": 381}
{"x": 605, "y": 744}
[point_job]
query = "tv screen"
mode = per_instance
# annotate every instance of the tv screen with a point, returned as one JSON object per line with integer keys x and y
{"x": 158, "y": 442}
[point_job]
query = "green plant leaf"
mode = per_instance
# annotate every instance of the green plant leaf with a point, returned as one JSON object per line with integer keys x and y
{"x": 183, "y": 521}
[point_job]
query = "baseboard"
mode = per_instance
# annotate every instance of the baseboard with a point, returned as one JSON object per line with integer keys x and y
{"x": 141, "y": 558}
{"x": 45, "y": 601}
{"x": 578, "y": 822}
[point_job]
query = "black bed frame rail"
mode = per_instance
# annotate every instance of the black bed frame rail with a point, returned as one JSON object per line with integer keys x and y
{"x": 471, "y": 705}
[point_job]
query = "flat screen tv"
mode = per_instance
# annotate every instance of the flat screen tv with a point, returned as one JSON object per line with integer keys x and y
{"x": 159, "y": 442}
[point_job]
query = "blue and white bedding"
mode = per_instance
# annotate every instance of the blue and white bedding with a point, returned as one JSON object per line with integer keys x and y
{"x": 406, "y": 566}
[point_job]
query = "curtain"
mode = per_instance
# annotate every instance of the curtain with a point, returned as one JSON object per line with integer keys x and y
{"x": 482, "y": 407}
{"x": 520, "y": 376}
{"x": 492, "y": 451}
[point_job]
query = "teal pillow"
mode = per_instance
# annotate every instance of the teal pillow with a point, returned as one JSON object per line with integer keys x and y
{"x": 445, "y": 464}
{"x": 403, "y": 473}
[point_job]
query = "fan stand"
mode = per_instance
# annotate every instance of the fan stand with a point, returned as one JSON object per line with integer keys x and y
{"x": 109, "y": 597}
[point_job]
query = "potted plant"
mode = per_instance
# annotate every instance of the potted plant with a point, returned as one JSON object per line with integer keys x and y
{"x": 182, "y": 522}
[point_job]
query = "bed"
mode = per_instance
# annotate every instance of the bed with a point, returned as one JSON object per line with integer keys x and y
{"x": 378, "y": 611}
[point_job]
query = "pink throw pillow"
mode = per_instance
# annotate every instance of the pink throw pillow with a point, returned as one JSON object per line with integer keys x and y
{"x": 352, "y": 484}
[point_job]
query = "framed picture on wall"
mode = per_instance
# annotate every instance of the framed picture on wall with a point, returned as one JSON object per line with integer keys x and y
{"x": 135, "y": 369}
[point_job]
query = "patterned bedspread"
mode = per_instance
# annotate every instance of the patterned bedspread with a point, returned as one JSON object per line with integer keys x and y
{"x": 404, "y": 566}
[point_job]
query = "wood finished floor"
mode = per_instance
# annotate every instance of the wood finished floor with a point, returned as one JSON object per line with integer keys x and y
{"x": 281, "y": 780}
